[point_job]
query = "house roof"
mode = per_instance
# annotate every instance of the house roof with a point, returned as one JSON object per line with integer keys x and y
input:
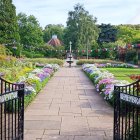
{"x": 55, "y": 41}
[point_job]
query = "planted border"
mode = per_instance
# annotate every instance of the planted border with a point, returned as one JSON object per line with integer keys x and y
{"x": 103, "y": 80}
{"x": 99, "y": 61}
{"x": 36, "y": 80}
{"x": 42, "y": 61}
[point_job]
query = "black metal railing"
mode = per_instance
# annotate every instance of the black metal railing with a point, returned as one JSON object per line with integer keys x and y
{"x": 127, "y": 112}
{"x": 11, "y": 111}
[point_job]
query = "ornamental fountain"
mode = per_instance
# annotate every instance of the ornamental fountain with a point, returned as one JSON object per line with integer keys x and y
{"x": 70, "y": 59}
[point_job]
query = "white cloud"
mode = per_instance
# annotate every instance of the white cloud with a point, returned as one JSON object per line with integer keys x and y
{"x": 55, "y": 12}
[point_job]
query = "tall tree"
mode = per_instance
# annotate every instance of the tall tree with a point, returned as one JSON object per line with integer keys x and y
{"x": 8, "y": 23}
{"x": 108, "y": 33}
{"x": 81, "y": 28}
{"x": 53, "y": 30}
{"x": 30, "y": 31}
{"x": 128, "y": 34}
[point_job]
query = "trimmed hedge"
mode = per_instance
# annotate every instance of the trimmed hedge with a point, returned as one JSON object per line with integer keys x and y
{"x": 45, "y": 61}
{"x": 100, "y": 61}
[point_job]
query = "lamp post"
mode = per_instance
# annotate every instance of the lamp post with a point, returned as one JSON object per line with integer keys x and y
{"x": 70, "y": 47}
{"x": 87, "y": 47}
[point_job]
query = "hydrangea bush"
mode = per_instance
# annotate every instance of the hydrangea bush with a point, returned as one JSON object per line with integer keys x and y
{"x": 33, "y": 80}
{"x": 104, "y": 81}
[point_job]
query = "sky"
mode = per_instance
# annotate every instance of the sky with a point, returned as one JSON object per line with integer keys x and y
{"x": 56, "y": 11}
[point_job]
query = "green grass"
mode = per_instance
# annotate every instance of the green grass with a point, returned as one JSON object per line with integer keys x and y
{"x": 123, "y": 73}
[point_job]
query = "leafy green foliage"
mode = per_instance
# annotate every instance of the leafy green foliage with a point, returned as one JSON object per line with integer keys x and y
{"x": 108, "y": 33}
{"x": 131, "y": 56}
{"x": 8, "y": 23}
{"x": 81, "y": 28}
{"x": 126, "y": 33}
{"x": 45, "y": 61}
{"x": 30, "y": 31}
{"x": 28, "y": 99}
{"x": 32, "y": 54}
{"x": 53, "y": 52}
{"x": 110, "y": 52}
{"x": 12, "y": 74}
{"x": 4, "y": 51}
{"x": 7, "y": 61}
{"x": 53, "y": 30}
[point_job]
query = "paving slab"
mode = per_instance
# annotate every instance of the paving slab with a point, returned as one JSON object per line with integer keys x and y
{"x": 69, "y": 108}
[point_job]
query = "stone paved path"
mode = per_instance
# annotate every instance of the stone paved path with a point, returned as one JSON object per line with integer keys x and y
{"x": 69, "y": 108}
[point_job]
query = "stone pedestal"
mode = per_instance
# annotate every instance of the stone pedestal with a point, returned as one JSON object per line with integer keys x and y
{"x": 69, "y": 60}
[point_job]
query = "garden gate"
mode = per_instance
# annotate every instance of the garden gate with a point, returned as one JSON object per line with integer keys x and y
{"x": 11, "y": 111}
{"x": 127, "y": 112}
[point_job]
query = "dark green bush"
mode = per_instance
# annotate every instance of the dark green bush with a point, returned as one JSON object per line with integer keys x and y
{"x": 131, "y": 56}
{"x": 32, "y": 54}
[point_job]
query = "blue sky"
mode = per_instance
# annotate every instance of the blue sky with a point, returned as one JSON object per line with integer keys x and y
{"x": 56, "y": 11}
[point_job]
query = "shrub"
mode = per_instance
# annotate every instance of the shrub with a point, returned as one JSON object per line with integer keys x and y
{"x": 131, "y": 56}
{"x": 28, "y": 99}
{"x": 51, "y": 52}
{"x": 4, "y": 50}
{"x": 103, "y": 80}
{"x": 32, "y": 54}
{"x": 12, "y": 74}
{"x": 7, "y": 61}
{"x": 34, "y": 82}
{"x": 45, "y": 61}
{"x": 92, "y": 61}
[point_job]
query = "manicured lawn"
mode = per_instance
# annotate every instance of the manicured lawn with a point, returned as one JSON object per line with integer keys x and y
{"x": 123, "y": 73}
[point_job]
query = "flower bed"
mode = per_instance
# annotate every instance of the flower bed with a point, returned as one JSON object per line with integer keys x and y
{"x": 105, "y": 63}
{"x": 111, "y": 65}
{"x": 103, "y": 80}
{"x": 36, "y": 80}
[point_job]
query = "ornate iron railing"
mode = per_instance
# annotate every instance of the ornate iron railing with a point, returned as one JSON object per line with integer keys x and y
{"x": 11, "y": 111}
{"x": 127, "y": 112}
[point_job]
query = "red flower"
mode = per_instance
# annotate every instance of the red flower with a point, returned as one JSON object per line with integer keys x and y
{"x": 135, "y": 77}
